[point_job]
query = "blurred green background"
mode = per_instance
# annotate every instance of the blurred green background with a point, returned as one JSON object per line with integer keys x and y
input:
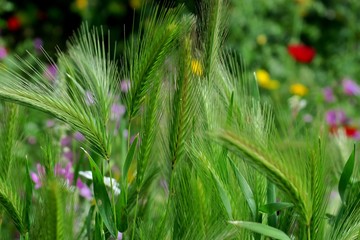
{"x": 304, "y": 53}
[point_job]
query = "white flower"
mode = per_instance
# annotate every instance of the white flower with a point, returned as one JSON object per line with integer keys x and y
{"x": 107, "y": 181}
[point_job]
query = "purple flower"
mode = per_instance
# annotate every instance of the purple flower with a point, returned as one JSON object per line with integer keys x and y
{"x": 51, "y": 72}
{"x": 65, "y": 141}
{"x": 125, "y": 85}
{"x": 78, "y": 136}
{"x": 38, "y": 44}
{"x": 84, "y": 190}
{"x": 66, "y": 172}
{"x": 117, "y": 111}
{"x": 3, "y": 52}
{"x": 68, "y": 155}
{"x": 350, "y": 87}
{"x": 328, "y": 94}
{"x": 119, "y": 236}
{"x": 336, "y": 117}
{"x": 50, "y": 123}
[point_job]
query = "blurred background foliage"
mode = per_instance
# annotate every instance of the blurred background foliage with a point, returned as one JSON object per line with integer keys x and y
{"x": 304, "y": 53}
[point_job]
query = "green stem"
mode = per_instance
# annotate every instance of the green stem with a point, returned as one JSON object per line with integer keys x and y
{"x": 135, "y": 216}
{"x": 271, "y": 198}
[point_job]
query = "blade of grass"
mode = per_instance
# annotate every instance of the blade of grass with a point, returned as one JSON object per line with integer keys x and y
{"x": 102, "y": 197}
{"x": 346, "y": 176}
{"x": 262, "y": 229}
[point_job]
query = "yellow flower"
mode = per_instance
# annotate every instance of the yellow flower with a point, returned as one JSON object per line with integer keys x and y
{"x": 135, "y": 4}
{"x": 81, "y": 4}
{"x": 261, "y": 39}
{"x": 264, "y": 80}
{"x": 196, "y": 67}
{"x": 299, "y": 89}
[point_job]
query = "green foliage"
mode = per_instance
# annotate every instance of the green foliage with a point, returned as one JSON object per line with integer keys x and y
{"x": 11, "y": 203}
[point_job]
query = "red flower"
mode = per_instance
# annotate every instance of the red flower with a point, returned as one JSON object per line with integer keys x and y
{"x": 301, "y": 53}
{"x": 13, "y": 23}
{"x": 350, "y": 131}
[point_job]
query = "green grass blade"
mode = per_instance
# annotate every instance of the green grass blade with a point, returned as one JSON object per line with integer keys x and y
{"x": 88, "y": 222}
{"x": 245, "y": 188}
{"x": 129, "y": 159}
{"x": 102, "y": 198}
{"x": 11, "y": 203}
{"x": 98, "y": 231}
{"x": 121, "y": 212}
{"x": 346, "y": 175}
{"x": 271, "y": 208}
{"x": 28, "y": 196}
{"x": 265, "y": 164}
{"x": 262, "y": 229}
{"x": 223, "y": 195}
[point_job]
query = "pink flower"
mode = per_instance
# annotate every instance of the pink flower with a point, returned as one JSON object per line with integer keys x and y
{"x": 84, "y": 190}
{"x": 3, "y": 52}
{"x": 51, "y": 72}
{"x": 117, "y": 111}
{"x": 125, "y": 85}
{"x": 328, "y": 94}
{"x": 36, "y": 177}
{"x": 350, "y": 87}
{"x": 78, "y": 136}
{"x": 336, "y": 117}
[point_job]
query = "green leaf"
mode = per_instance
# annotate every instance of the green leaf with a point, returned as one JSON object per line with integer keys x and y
{"x": 223, "y": 195}
{"x": 121, "y": 212}
{"x": 262, "y": 229}
{"x": 271, "y": 208}
{"x": 129, "y": 159}
{"x": 102, "y": 198}
{"x": 28, "y": 197}
{"x": 88, "y": 221}
{"x": 245, "y": 188}
{"x": 346, "y": 175}
{"x": 99, "y": 233}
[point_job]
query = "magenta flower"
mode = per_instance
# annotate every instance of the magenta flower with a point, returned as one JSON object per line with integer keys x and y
{"x": 328, "y": 94}
{"x": 68, "y": 155}
{"x": 65, "y": 173}
{"x": 51, "y": 72}
{"x": 84, "y": 190}
{"x": 36, "y": 177}
{"x": 65, "y": 141}
{"x": 78, "y": 136}
{"x": 3, "y": 52}
{"x": 350, "y": 87}
{"x": 336, "y": 117}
